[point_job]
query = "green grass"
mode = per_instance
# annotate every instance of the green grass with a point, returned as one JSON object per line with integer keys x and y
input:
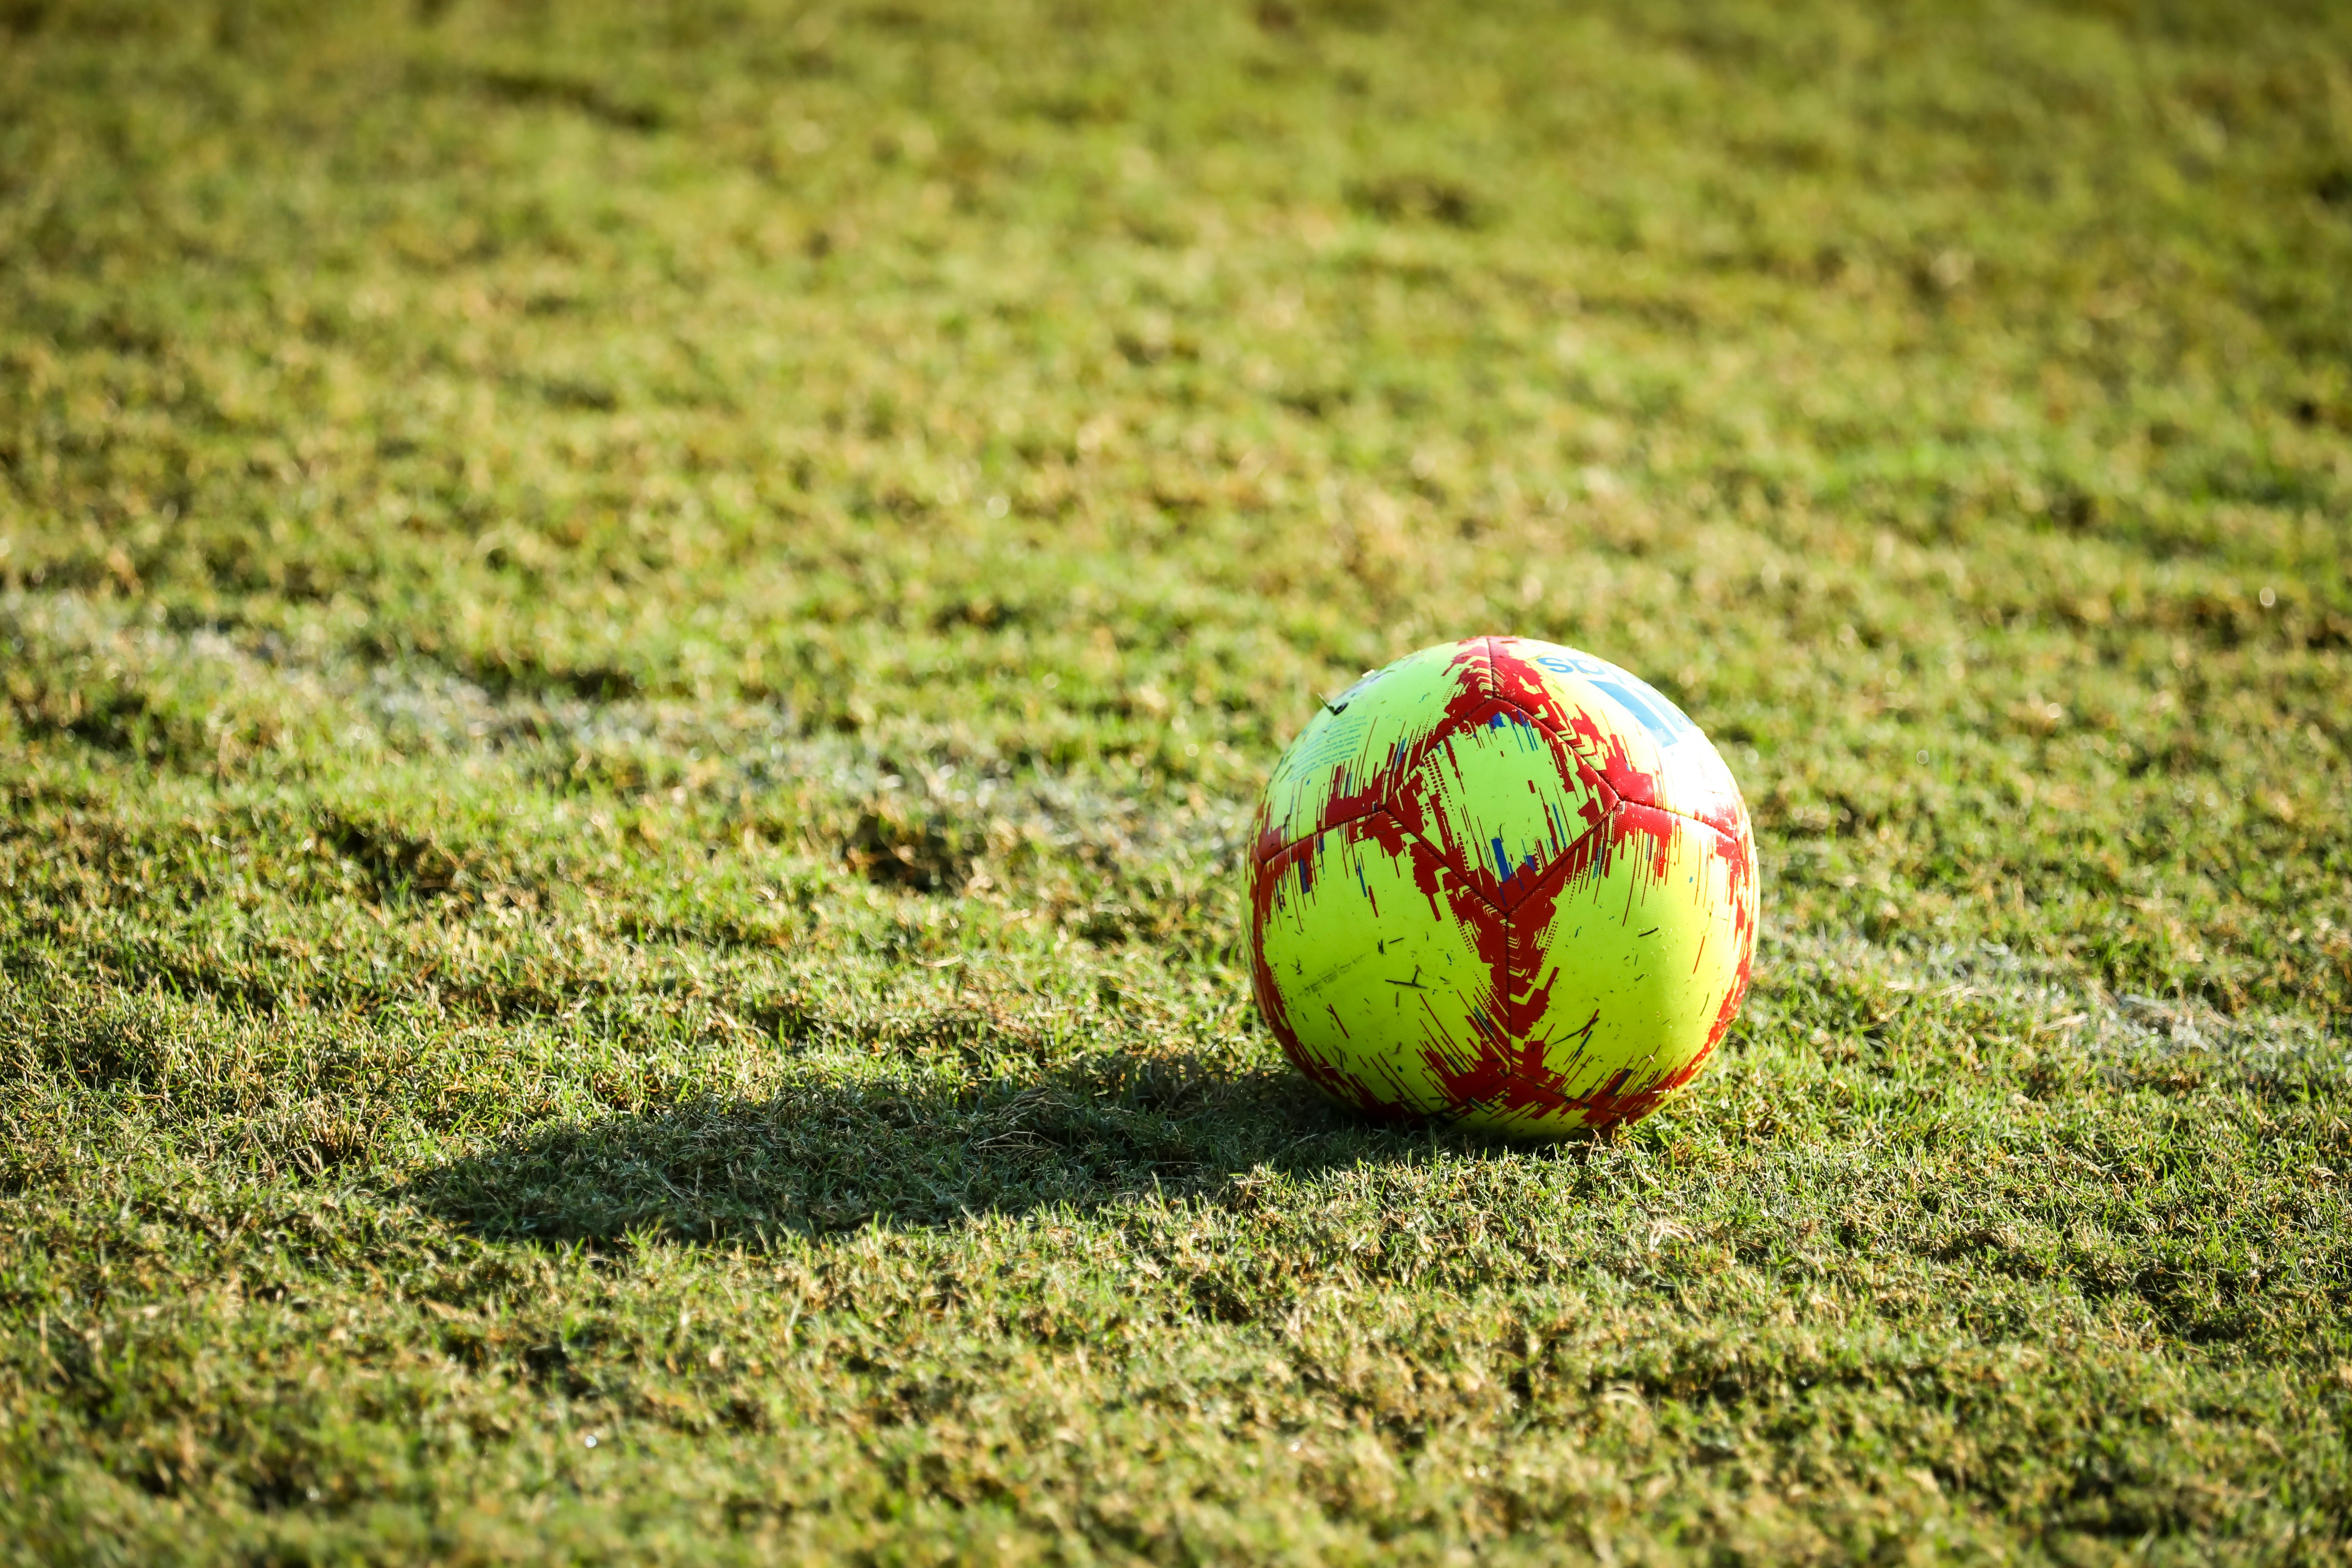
{"x": 638, "y": 642}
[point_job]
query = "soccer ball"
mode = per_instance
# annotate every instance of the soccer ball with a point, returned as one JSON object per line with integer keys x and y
{"x": 1503, "y": 884}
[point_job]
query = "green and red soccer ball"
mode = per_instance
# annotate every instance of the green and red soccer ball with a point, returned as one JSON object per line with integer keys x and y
{"x": 1504, "y": 885}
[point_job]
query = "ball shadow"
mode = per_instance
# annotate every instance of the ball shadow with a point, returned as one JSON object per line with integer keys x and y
{"x": 824, "y": 1158}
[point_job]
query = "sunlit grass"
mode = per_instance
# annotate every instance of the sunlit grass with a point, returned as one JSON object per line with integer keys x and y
{"x": 637, "y": 643}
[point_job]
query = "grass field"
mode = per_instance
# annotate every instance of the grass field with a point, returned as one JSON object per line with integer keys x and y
{"x": 639, "y": 644}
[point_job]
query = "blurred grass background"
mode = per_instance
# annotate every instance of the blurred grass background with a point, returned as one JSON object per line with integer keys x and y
{"x": 639, "y": 639}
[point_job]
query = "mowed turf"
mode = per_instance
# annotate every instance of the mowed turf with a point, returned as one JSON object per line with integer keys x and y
{"x": 638, "y": 642}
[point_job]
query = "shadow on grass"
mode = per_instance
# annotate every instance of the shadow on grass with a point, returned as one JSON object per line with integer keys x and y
{"x": 827, "y": 1158}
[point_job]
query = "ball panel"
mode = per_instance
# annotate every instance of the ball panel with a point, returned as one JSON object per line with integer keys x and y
{"x": 1696, "y": 783}
{"x": 1368, "y": 959}
{"x": 1639, "y": 741}
{"x": 1346, "y": 761}
{"x": 1501, "y": 798}
{"x": 1561, "y": 689}
{"x": 1623, "y": 969}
